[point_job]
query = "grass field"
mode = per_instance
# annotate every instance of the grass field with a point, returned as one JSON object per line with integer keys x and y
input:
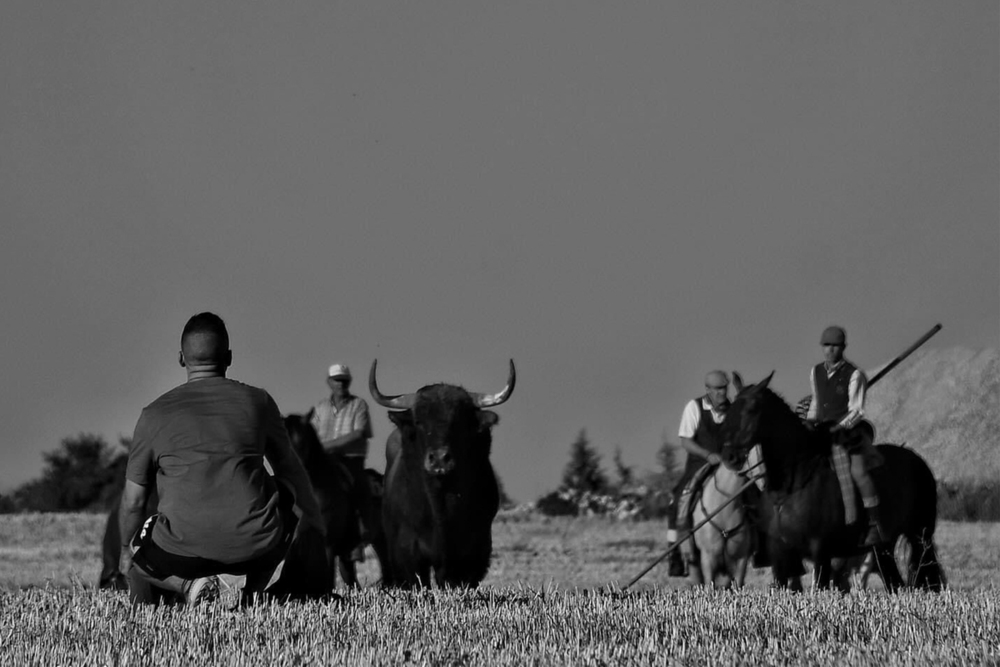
{"x": 548, "y": 599}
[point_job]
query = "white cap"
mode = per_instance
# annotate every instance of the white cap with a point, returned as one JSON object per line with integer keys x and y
{"x": 339, "y": 371}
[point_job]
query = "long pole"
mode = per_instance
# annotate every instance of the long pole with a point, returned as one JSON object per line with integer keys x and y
{"x": 690, "y": 533}
{"x": 910, "y": 350}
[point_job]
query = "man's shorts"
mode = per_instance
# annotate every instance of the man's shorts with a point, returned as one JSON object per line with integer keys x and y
{"x": 161, "y": 564}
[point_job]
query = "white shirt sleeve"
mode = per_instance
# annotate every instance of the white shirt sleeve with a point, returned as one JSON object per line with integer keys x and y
{"x": 855, "y": 399}
{"x": 690, "y": 420}
{"x": 813, "y": 408}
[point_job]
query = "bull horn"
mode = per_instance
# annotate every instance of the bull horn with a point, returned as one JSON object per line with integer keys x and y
{"x": 491, "y": 400}
{"x": 395, "y": 402}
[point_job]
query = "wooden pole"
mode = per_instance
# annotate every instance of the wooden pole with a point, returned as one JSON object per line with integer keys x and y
{"x": 910, "y": 350}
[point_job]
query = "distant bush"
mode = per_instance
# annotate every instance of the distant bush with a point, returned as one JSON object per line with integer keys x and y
{"x": 587, "y": 491}
{"x": 969, "y": 501}
{"x": 83, "y": 474}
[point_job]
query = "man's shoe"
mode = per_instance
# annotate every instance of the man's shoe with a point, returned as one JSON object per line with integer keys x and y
{"x": 203, "y": 589}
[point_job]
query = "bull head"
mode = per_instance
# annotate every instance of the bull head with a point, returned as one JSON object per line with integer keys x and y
{"x": 442, "y": 423}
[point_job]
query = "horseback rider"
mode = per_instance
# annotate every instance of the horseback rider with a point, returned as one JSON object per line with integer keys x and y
{"x": 838, "y": 398}
{"x": 699, "y": 434}
{"x": 344, "y": 428}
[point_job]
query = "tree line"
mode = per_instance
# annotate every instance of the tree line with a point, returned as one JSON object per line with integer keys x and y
{"x": 587, "y": 489}
{"x": 84, "y": 474}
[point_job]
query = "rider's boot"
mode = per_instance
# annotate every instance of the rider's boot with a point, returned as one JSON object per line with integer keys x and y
{"x": 676, "y": 567}
{"x": 761, "y": 556}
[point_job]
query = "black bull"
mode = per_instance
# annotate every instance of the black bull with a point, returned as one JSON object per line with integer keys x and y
{"x": 440, "y": 493}
{"x": 305, "y": 574}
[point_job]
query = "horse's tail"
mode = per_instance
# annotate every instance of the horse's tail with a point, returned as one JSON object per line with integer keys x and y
{"x": 925, "y": 568}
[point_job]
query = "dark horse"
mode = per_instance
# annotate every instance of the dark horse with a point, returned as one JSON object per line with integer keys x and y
{"x": 332, "y": 482}
{"x": 802, "y": 510}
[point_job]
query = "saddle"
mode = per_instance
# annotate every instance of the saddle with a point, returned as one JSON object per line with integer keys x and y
{"x": 690, "y": 495}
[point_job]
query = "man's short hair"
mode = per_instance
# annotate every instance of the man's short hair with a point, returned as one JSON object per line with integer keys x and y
{"x": 212, "y": 337}
{"x": 833, "y": 335}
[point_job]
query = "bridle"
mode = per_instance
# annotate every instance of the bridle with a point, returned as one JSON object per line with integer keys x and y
{"x": 743, "y": 473}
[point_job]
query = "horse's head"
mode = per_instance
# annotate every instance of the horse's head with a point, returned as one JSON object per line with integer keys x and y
{"x": 741, "y": 427}
{"x": 302, "y": 436}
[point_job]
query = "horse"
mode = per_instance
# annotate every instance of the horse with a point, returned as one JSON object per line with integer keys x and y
{"x": 802, "y": 511}
{"x": 332, "y": 482}
{"x": 721, "y": 547}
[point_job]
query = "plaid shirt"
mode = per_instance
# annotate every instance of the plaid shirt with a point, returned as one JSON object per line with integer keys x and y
{"x": 331, "y": 423}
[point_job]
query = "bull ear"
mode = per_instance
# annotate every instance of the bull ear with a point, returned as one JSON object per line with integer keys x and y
{"x": 737, "y": 382}
{"x": 487, "y": 419}
{"x": 401, "y": 418}
{"x": 308, "y": 417}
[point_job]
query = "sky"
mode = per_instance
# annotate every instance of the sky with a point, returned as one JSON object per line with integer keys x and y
{"x": 620, "y": 197}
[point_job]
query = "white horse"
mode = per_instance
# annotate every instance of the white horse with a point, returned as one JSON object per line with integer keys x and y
{"x": 722, "y": 547}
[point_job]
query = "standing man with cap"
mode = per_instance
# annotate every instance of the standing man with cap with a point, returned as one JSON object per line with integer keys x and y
{"x": 699, "y": 434}
{"x": 344, "y": 427}
{"x": 838, "y": 397}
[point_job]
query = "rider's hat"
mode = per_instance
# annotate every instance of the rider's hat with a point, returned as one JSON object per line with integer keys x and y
{"x": 339, "y": 371}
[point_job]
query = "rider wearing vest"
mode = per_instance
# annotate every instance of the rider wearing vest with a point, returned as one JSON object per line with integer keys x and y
{"x": 838, "y": 397}
{"x": 699, "y": 434}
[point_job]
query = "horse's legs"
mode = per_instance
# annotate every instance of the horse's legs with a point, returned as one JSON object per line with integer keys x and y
{"x": 821, "y": 573}
{"x": 841, "y": 572}
{"x": 863, "y": 571}
{"x": 739, "y": 571}
{"x": 348, "y": 571}
{"x": 884, "y": 562}
{"x": 698, "y": 569}
{"x": 925, "y": 568}
{"x": 786, "y": 565}
{"x": 331, "y": 559}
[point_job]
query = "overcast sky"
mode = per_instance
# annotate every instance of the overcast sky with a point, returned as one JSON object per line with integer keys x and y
{"x": 620, "y": 196}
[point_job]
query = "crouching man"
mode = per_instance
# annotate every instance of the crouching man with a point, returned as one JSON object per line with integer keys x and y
{"x": 203, "y": 445}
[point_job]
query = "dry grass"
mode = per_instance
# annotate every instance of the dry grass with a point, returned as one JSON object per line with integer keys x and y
{"x": 546, "y": 601}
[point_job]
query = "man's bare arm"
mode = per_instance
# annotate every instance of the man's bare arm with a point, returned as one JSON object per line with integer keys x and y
{"x": 131, "y": 514}
{"x": 288, "y": 469}
{"x": 693, "y": 447}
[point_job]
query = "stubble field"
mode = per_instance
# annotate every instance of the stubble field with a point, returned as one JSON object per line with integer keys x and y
{"x": 551, "y": 597}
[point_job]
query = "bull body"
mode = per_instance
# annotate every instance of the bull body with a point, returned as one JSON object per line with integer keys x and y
{"x": 441, "y": 493}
